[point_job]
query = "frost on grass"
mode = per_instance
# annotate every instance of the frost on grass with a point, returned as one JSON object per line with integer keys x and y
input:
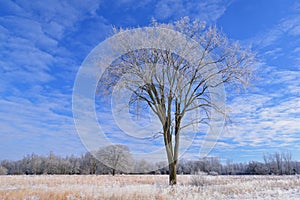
{"x": 200, "y": 179}
{"x": 149, "y": 187}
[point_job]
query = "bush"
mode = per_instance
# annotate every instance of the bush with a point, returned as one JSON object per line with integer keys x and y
{"x": 213, "y": 173}
{"x": 200, "y": 179}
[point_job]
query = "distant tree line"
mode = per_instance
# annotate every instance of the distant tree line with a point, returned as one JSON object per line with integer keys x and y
{"x": 118, "y": 157}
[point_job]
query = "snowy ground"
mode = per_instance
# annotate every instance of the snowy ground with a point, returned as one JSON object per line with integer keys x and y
{"x": 148, "y": 187}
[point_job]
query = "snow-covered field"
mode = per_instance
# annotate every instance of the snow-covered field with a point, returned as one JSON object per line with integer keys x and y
{"x": 148, "y": 187}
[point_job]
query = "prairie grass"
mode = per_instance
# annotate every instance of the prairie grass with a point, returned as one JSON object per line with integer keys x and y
{"x": 148, "y": 187}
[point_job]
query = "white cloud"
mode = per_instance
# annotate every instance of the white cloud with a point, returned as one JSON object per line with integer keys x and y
{"x": 287, "y": 27}
{"x": 66, "y": 13}
{"x": 260, "y": 125}
{"x": 36, "y": 68}
{"x": 35, "y": 122}
{"x": 33, "y": 37}
{"x": 267, "y": 117}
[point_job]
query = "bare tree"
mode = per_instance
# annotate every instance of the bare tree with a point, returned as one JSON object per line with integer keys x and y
{"x": 287, "y": 158}
{"x": 212, "y": 164}
{"x": 178, "y": 90}
{"x": 3, "y": 170}
{"x": 269, "y": 162}
{"x": 279, "y": 163}
{"x": 89, "y": 164}
{"x": 257, "y": 168}
{"x": 117, "y": 157}
{"x": 229, "y": 167}
{"x": 142, "y": 166}
{"x": 278, "y": 159}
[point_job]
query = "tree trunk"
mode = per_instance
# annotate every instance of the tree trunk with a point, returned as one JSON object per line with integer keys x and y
{"x": 172, "y": 173}
{"x": 113, "y": 171}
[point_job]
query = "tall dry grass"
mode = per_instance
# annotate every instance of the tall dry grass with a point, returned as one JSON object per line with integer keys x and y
{"x": 148, "y": 187}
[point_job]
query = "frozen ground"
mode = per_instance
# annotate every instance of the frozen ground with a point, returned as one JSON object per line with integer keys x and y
{"x": 148, "y": 187}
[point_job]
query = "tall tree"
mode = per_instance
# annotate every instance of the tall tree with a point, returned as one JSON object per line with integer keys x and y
{"x": 177, "y": 81}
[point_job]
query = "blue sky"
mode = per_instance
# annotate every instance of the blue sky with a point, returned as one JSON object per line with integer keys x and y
{"x": 43, "y": 43}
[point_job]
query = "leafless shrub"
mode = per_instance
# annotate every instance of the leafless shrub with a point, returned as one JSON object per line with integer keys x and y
{"x": 200, "y": 179}
{"x": 213, "y": 173}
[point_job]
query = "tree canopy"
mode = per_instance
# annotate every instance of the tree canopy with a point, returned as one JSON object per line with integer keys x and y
{"x": 179, "y": 71}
